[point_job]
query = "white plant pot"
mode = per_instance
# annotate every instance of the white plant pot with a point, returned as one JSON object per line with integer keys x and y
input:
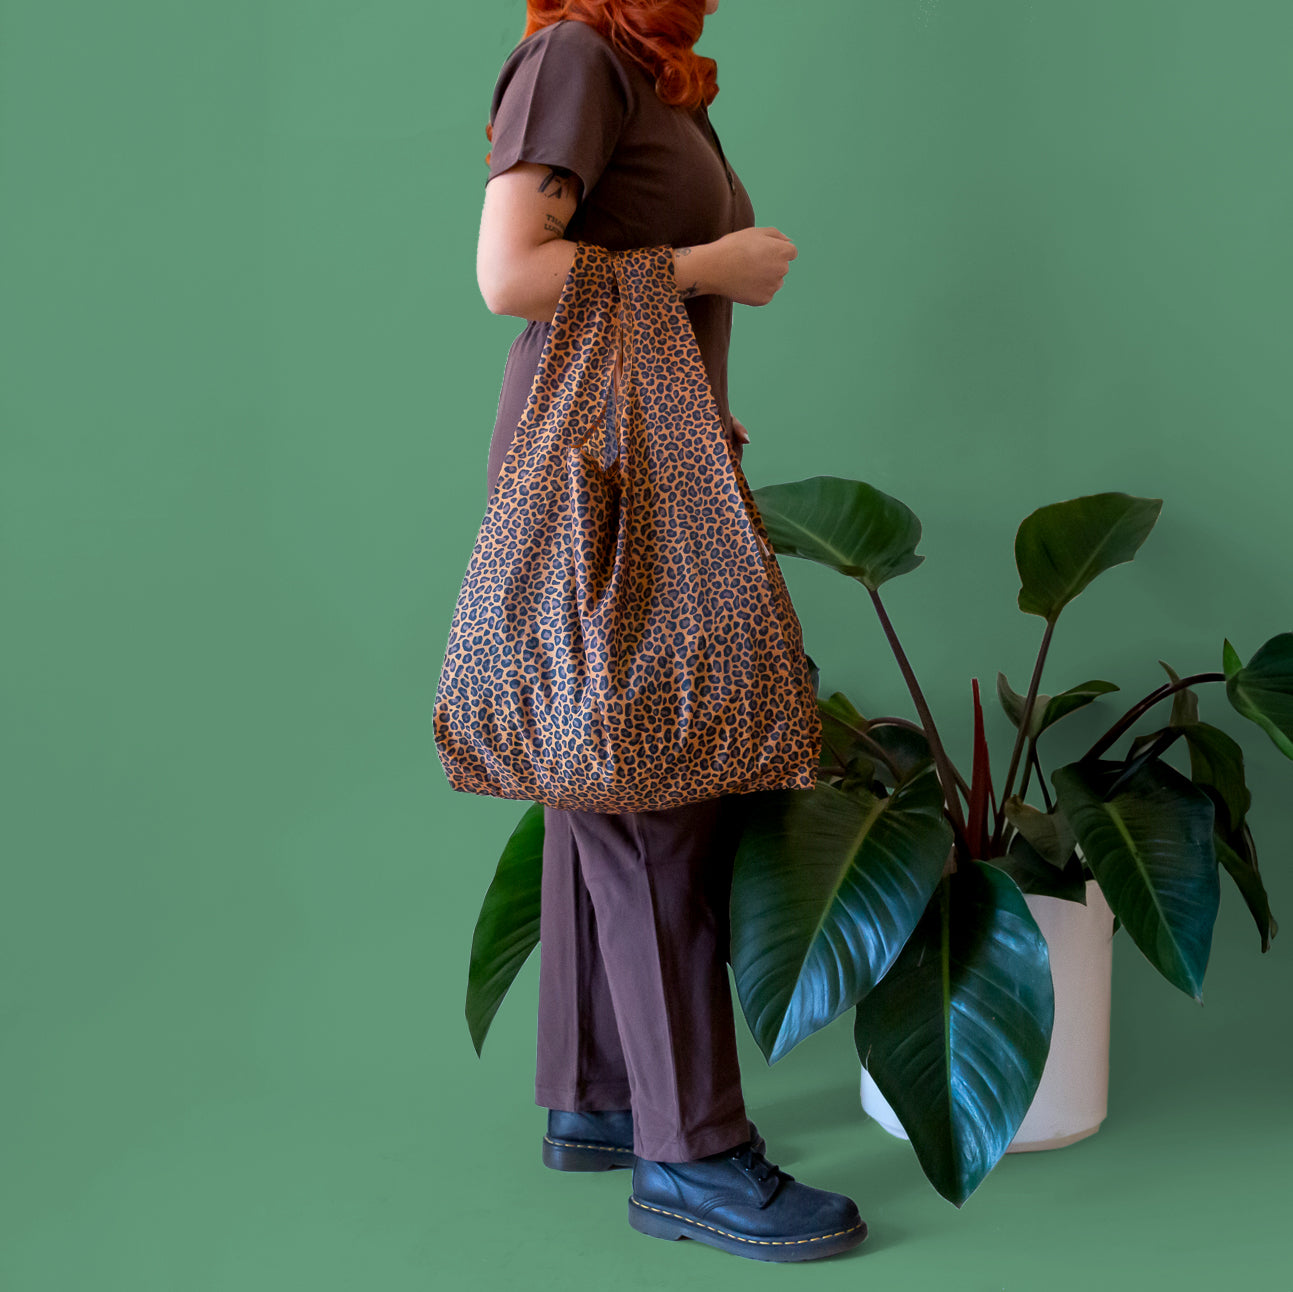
{"x": 1073, "y": 1097}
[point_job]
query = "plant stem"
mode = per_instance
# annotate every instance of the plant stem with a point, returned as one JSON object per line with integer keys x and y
{"x": 1138, "y": 710}
{"x": 1041, "y": 780}
{"x": 1029, "y": 759}
{"x": 946, "y": 772}
{"x": 1025, "y": 720}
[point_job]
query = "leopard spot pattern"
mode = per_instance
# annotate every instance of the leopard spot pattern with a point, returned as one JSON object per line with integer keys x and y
{"x": 623, "y": 640}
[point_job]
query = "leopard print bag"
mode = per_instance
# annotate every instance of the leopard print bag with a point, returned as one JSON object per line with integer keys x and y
{"x": 624, "y": 640}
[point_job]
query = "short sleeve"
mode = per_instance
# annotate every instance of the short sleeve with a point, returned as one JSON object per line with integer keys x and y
{"x": 561, "y": 99}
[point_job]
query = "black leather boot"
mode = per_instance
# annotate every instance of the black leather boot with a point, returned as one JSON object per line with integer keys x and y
{"x": 596, "y": 1141}
{"x": 588, "y": 1141}
{"x": 742, "y": 1203}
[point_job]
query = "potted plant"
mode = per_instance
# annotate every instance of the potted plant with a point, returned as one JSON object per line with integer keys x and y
{"x": 899, "y": 889}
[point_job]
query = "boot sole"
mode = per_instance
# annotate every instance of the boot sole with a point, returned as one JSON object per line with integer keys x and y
{"x": 659, "y": 1223}
{"x": 577, "y": 1155}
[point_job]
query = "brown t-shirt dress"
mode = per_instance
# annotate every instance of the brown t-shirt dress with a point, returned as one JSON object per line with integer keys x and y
{"x": 653, "y": 175}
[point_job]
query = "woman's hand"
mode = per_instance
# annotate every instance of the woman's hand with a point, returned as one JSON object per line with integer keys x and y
{"x": 523, "y": 257}
{"x": 740, "y": 437}
{"x": 753, "y": 264}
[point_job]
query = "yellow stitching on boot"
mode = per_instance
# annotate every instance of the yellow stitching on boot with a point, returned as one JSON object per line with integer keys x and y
{"x": 574, "y": 1143}
{"x": 760, "y": 1242}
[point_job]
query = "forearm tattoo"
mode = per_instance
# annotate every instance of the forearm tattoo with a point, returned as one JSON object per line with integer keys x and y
{"x": 556, "y": 183}
{"x": 686, "y": 293}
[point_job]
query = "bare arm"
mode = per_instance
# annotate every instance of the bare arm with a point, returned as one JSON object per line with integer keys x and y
{"x": 523, "y": 257}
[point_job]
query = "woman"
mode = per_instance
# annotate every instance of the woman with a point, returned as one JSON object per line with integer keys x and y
{"x": 601, "y": 134}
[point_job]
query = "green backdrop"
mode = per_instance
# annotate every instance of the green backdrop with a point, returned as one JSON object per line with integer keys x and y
{"x": 247, "y": 396}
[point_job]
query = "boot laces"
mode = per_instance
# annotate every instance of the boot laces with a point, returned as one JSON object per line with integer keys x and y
{"x": 756, "y": 1164}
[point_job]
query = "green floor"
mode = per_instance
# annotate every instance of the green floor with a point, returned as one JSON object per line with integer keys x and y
{"x": 274, "y": 1090}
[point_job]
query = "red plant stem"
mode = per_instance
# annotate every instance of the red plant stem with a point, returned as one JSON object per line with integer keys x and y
{"x": 1138, "y": 710}
{"x": 1025, "y": 720}
{"x": 946, "y": 772}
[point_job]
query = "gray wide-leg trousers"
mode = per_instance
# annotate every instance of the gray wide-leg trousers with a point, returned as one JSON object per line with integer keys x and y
{"x": 635, "y": 1010}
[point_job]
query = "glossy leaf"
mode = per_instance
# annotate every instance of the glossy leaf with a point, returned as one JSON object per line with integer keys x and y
{"x": 1240, "y": 862}
{"x": 1049, "y": 709}
{"x": 1217, "y": 768}
{"x": 1013, "y": 703}
{"x": 1049, "y": 832}
{"x": 507, "y": 929}
{"x": 1150, "y": 848}
{"x": 1218, "y": 760}
{"x": 1076, "y": 697}
{"x": 827, "y": 886}
{"x": 847, "y": 737}
{"x": 957, "y": 1033}
{"x": 1059, "y": 549}
{"x": 1034, "y": 874}
{"x": 908, "y": 750}
{"x": 848, "y": 525}
{"x": 1262, "y": 689}
{"x": 841, "y": 726}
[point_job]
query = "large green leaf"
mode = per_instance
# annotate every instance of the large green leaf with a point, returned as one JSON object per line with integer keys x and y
{"x": 956, "y": 1034}
{"x": 827, "y": 886}
{"x": 1059, "y": 549}
{"x": 1262, "y": 689}
{"x": 507, "y": 929}
{"x": 1217, "y": 768}
{"x": 846, "y": 524}
{"x": 1217, "y": 759}
{"x": 1151, "y": 850}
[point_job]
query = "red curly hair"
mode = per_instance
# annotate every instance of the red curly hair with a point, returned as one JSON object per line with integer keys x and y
{"x": 658, "y": 34}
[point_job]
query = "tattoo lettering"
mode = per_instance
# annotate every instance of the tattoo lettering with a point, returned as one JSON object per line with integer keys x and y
{"x": 556, "y": 183}
{"x": 552, "y": 224}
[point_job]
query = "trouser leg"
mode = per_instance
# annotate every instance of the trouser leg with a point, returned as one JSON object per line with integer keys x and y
{"x": 658, "y": 883}
{"x": 580, "y": 1063}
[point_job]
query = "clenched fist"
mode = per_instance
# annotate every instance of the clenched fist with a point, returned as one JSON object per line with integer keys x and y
{"x": 752, "y": 264}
